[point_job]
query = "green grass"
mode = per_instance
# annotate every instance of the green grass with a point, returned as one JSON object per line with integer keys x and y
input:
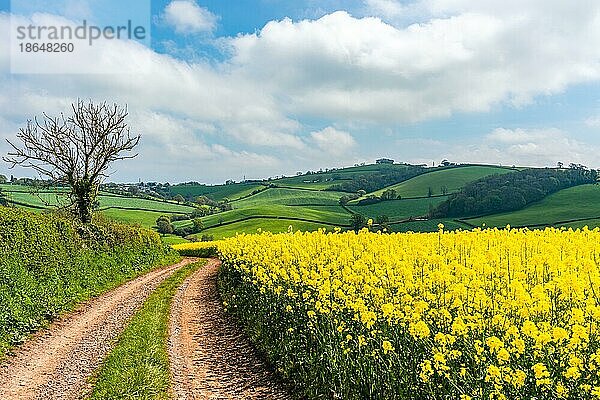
{"x": 324, "y": 180}
{"x": 572, "y": 203}
{"x": 49, "y": 264}
{"x": 217, "y": 192}
{"x": 138, "y": 366}
{"x": 290, "y": 197}
{"x": 453, "y": 178}
{"x": 428, "y": 226}
{"x": 22, "y": 195}
{"x": 172, "y": 239}
{"x": 265, "y": 224}
{"x": 398, "y": 209}
{"x": 326, "y": 214}
{"x": 146, "y": 219}
{"x": 590, "y": 223}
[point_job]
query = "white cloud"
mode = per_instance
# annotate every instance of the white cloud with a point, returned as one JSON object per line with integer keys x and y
{"x": 593, "y": 122}
{"x": 530, "y": 147}
{"x": 186, "y": 16}
{"x": 386, "y": 8}
{"x": 339, "y": 71}
{"x": 342, "y": 67}
{"x": 333, "y": 141}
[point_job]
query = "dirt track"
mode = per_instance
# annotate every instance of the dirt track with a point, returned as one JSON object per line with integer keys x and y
{"x": 210, "y": 357}
{"x": 56, "y": 363}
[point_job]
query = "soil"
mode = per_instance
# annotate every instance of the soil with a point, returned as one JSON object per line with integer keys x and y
{"x": 57, "y": 362}
{"x": 210, "y": 356}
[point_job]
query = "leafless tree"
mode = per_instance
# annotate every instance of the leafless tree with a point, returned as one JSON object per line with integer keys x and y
{"x": 76, "y": 150}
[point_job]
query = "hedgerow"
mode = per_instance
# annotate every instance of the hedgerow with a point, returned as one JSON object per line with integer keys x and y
{"x": 49, "y": 264}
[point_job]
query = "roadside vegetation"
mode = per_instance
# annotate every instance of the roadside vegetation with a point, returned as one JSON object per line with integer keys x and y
{"x": 138, "y": 366}
{"x": 50, "y": 263}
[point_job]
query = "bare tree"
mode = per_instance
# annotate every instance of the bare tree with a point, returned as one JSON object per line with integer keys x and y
{"x": 76, "y": 150}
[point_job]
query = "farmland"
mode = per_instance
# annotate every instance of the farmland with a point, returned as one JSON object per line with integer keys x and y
{"x": 422, "y": 316}
{"x": 450, "y": 179}
{"x": 576, "y": 203}
{"x": 307, "y": 202}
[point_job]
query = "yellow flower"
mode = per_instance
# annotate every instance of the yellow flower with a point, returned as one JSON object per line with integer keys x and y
{"x": 387, "y": 346}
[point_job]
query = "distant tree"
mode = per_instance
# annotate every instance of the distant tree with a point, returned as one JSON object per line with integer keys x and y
{"x": 361, "y": 192}
{"x": 198, "y": 224}
{"x": 357, "y": 221}
{"x": 429, "y": 192}
{"x": 225, "y": 207}
{"x": 133, "y": 190}
{"x": 444, "y": 190}
{"x": 3, "y": 178}
{"x": 76, "y": 150}
{"x": 389, "y": 194}
{"x": 207, "y": 238}
{"x": 559, "y": 164}
{"x": 179, "y": 198}
{"x": 383, "y": 222}
{"x": 199, "y": 212}
{"x": 163, "y": 223}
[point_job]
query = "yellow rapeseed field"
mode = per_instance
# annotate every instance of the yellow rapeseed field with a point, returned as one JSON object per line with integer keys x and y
{"x": 482, "y": 314}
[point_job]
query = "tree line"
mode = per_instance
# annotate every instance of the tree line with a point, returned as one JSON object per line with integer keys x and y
{"x": 512, "y": 191}
{"x": 370, "y": 182}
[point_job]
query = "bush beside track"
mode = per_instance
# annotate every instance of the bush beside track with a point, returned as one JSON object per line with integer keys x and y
{"x": 49, "y": 264}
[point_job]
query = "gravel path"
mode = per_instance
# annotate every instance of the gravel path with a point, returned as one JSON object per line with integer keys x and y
{"x": 56, "y": 363}
{"x": 210, "y": 357}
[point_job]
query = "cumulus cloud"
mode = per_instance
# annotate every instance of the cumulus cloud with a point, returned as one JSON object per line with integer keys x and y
{"x": 529, "y": 147}
{"x": 333, "y": 141}
{"x": 253, "y": 109}
{"x": 340, "y": 66}
{"x": 186, "y": 17}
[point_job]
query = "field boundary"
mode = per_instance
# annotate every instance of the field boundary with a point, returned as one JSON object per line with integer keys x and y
{"x": 251, "y": 217}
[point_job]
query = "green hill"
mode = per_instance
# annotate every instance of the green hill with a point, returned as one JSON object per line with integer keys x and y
{"x": 307, "y": 202}
{"x": 121, "y": 208}
{"x": 452, "y": 179}
{"x": 576, "y": 203}
{"x": 216, "y": 192}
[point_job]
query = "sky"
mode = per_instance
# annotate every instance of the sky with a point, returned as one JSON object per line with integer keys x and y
{"x": 252, "y": 89}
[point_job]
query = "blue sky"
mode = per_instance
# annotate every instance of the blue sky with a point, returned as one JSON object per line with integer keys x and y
{"x": 261, "y": 88}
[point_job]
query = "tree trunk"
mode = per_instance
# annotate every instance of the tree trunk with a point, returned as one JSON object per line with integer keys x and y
{"x": 85, "y": 194}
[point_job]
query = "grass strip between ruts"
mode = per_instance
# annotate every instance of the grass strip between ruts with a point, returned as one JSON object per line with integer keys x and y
{"x": 138, "y": 366}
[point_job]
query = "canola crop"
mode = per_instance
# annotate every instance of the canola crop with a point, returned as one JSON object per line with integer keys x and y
{"x": 482, "y": 314}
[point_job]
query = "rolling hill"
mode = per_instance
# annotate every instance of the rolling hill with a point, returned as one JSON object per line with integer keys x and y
{"x": 308, "y": 202}
{"x": 452, "y": 179}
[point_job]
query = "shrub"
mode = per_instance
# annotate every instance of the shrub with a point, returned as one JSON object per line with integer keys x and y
{"x": 49, "y": 263}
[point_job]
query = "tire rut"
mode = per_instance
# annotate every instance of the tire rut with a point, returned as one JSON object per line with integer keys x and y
{"x": 210, "y": 356}
{"x": 57, "y": 362}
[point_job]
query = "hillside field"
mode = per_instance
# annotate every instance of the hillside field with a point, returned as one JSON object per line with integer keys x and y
{"x": 306, "y": 203}
{"x": 576, "y": 203}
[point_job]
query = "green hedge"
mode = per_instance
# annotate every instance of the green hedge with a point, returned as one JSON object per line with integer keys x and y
{"x": 49, "y": 264}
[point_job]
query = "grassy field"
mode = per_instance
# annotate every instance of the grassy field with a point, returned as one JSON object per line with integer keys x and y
{"x": 579, "y": 202}
{"x": 217, "y": 192}
{"x": 302, "y": 202}
{"x": 398, "y": 209}
{"x": 452, "y": 178}
{"x": 323, "y": 180}
{"x": 131, "y": 210}
{"x": 327, "y": 214}
{"x": 290, "y": 197}
{"x": 428, "y": 226}
{"x": 265, "y": 224}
